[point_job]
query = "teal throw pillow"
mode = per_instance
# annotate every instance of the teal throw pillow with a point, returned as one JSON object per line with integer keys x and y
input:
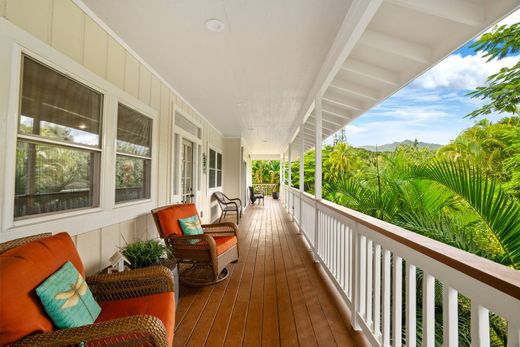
{"x": 191, "y": 226}
{"x": 67, "y": 298}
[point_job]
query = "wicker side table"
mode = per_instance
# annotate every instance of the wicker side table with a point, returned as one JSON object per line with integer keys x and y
{"x": 170, "y": 264}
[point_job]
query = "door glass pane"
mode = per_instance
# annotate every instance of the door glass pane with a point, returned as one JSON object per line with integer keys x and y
{"x": 134, "y": 132}
{"x": 219, "y": 178}
{"x": 219, "y": 161}
{"x": 211, "y": 178}
{"x": 52, "y": 178}
{"x": 212, "y": 159}
{"x": 57, "y": 107}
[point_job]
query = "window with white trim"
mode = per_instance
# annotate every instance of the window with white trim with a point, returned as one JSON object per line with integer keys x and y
{"x": 58, "y": 150}
{"x": 215, "y": 169}
{"x": 133, "y": 155}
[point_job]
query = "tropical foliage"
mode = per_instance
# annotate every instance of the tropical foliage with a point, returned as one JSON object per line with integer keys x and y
{"x": 266, "y": 172}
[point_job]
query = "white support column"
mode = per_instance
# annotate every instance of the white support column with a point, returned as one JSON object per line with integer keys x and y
{"x": 301, "y": 159}
{"x": 317, "y": 174}
{"x": 290, "y": 201}
{"x": 282, "y": 181}
{"x": 318, "y": 146}
{"x": 289, "y": 167}
{"x": 300, "y": 217}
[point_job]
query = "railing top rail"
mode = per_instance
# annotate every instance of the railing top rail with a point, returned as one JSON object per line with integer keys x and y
{"x": 498, "y": 276}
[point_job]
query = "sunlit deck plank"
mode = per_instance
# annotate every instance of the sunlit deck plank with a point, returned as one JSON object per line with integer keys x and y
{"x": 274, "y": 295}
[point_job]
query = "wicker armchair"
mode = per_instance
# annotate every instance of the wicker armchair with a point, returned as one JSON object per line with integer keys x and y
{"x": 202, "y": 258}
{"x": 255, "y": 196}
{"x": 108, "y": 289}
{"x": 228, "y": 205}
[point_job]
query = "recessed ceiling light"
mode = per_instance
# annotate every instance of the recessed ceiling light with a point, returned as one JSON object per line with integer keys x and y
{"x": 215, "y": 25}
{"x": 82, "y": 126}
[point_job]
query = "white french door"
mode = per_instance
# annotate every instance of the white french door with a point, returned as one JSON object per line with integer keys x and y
{"x": 187, "y": 169}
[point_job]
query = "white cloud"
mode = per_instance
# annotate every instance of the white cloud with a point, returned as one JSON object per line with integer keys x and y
{"x": 460, "y": 72}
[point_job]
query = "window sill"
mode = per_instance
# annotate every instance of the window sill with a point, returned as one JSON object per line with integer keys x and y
{"x": 131, "y": 203}
{"x": 54, "y": 216}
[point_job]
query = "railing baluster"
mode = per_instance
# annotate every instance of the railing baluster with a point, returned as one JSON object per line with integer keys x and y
{"x": 350, "y": 261}
{"x": 369, "y": 282}
{"x": 377, "y": 291}
{"x": 428, "y": 312}
{"x": 450, "y": 321}
{"x": 386, "y": 298}
{"x": 362, "y": 246}
{"x": 398, "y": 300}
{"x": 343, "y": 257}
{"x": 479, "y": 325}
{"x": 411, "y": 310}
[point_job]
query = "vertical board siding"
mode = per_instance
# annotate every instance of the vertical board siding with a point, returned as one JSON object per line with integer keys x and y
{"x": 65, "y": 27}
{"x": 115, "y": 63}
{"x": 68, "y": 29}
{"x": 96, "y": 48}
{"x": 38, "y": 24}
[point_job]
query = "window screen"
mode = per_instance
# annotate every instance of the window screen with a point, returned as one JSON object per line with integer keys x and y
{"x": 58, "y": 147}
{"x": 133, "y": 158}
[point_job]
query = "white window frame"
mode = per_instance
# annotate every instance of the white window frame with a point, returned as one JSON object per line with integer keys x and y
{"x": 116, "y": 153}
{"x": 14, "y": 42}
{"x": 217, "y": 151}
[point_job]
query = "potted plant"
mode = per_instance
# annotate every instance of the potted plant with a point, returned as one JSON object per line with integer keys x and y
{"x": 144, "y": 253}
{"x": 275, "y": 192}
{"x": 152, "y": 252}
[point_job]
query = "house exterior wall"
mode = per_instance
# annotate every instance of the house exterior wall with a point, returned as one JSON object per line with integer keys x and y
{"x": 232, "y": 167}
{"x": 65, "y": 27}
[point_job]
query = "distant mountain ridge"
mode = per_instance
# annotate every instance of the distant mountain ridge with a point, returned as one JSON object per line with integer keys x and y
{"x": 390, "y": 147}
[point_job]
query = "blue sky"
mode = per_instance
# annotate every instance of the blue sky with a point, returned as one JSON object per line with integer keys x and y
{"x": 432, "y": 107}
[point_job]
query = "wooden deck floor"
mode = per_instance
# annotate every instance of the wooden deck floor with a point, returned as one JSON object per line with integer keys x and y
{"x": 273, "y": 296}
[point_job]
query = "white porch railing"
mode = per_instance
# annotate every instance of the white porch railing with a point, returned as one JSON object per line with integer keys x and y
{"x": 375, "y": 266}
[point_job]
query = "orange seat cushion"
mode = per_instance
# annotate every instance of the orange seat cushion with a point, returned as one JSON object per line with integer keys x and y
{"x": 224, "y": 243}
{"x": 161, "y": 306}
{"x": 23, "y": 269}
{"x": 169, "y": 218}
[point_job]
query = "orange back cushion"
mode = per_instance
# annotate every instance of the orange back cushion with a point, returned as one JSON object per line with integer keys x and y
{"x": 22, "y": 269}
{"x": 169, "y": 218}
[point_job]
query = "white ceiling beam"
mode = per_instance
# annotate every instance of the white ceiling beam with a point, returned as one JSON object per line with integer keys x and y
{"x": 355, "y": 89}
{"x": 337, "y": 110}
{"x": 359, "y": 15}
{"x": 343, "y": 100}
{"x": 339, "y": 119}
{"x": 459, "y": 11}
{"x": 397, "y": 46}
{"x": 371, "y": 71}
{"x": 324, "y": 127}
{"x": 331, "y": 119}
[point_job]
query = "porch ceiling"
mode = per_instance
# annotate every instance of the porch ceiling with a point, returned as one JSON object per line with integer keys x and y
{"x": 249, "y": 80}
{"x": 259, "y": 77}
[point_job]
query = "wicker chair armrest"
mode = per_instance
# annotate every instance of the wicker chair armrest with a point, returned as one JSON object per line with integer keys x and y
{"x": 225, "y": 228}
{"x": 131, "y": 284}
{"x": 143, "y": 330}
{"x": 185, "y": 241}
